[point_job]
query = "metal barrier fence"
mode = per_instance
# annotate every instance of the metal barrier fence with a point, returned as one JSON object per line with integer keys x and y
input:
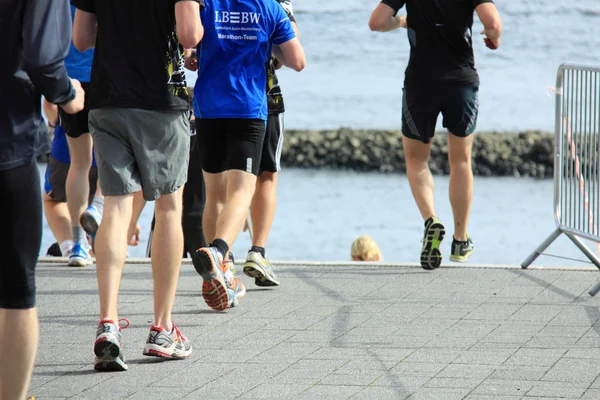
{"x": 576, "y": 160}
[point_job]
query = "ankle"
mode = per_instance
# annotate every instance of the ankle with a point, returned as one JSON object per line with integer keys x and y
{"x": 258, "y": 249}
{"x": 460, "y": 238}
{"x": 222, "y": 246}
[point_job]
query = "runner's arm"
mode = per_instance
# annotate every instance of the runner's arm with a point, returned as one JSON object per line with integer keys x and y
{"x": 85, "y": 25}
{"x": 286, "y": 45}
{"x": 46, "y": 39}
{"x": 291, "y": 54}
{"x": 490, "y": 18}
{"x": 138, "y": 206}
{"x": 189, "y": 25}
{"x": 384, "y": 18}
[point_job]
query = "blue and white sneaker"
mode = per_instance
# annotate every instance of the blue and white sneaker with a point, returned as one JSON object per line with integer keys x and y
{"x": 79, "y": 256}
{"x": 90, "y": 220}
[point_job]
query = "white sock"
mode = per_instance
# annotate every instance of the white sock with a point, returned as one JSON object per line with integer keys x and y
{"x": 65, "y": 247}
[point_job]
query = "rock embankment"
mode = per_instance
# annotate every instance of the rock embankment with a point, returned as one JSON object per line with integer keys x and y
{"x": 527, "y": 153}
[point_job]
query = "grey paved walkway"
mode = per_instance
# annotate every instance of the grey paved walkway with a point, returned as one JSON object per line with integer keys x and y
{"x": 336, "y": 333}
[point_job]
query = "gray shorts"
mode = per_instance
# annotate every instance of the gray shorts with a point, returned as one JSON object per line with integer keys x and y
{"x": 140, "y": 150}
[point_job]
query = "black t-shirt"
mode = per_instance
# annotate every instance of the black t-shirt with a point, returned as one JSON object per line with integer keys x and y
{"x": 138, "y": 61}
{"x": 274, "y": 95}
{"x": 441, "y": 43}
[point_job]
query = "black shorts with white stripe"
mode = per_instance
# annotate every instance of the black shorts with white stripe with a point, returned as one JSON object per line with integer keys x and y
{"x": 459, "y": 105}
{"x": 273, "y": 144}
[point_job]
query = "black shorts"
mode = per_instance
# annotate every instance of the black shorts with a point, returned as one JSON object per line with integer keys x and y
{"x": 273, "y": 144}
{"x": 76, "y": 125}
{"x": 21, "y": 216}
{"x": 194, "y": 197}
{"x": 55, "y": 184}
{"x": 228, "y": 143}
{"x": 459, "y": 105}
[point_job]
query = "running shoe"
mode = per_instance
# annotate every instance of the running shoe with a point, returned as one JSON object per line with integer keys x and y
{"x": 79, "y": 256}
{"x": 461, "y": 250}
{"x": 431, "y": 257}
{"x": 261, "y": 269}
{"x": 90, "y": 220}
{"x": 54, "y": 250}
{"x": 108, "y": 348}
{"x": 162, "y": 344}
{"x": 235, "y": 288}
{"x": 208, "y": 262}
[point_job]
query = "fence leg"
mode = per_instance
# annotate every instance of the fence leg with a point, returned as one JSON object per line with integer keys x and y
{"x": 593, "y": 258}
{"x": 533, "y": 256}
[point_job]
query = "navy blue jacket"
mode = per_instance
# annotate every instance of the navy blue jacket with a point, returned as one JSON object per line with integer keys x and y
{"x": 36, "y": 35}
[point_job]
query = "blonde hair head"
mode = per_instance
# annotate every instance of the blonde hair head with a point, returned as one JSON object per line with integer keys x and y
{"x": 364, "y": 248}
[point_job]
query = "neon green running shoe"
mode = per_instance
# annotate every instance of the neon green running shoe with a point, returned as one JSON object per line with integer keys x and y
{"x": 431, "y": 257}
{"x": 461, "y": 250}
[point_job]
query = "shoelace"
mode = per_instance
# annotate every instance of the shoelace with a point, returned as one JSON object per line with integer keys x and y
{"x": 123, "y": 324}
{"x": 180, "y": 335}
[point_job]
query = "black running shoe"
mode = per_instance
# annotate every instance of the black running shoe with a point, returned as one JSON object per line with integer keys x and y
{"x": 461, "y": 250}
{"x": 431, "y": 257}
{"x": 54, "y": 250}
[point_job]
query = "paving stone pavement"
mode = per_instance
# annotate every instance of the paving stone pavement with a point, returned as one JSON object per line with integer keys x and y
{"x": 336, "y": 332}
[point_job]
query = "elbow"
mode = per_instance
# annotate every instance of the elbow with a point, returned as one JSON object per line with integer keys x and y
{"x": 299, "y": 64}
{"x": 79, "y": 43}
{"x": 374, "y": 25}
{"x": 494, "y": 26}
{"x": 378, "y": 23}
{"x": 189, "y": 39}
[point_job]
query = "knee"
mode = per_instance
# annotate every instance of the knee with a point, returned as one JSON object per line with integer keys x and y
{"x": 459, "y": 160}
{"x": 17, "y": 291}
{"x": 81, "y": 162}
{"x": 167, "y": 205}
{"x": 416, "y": 163}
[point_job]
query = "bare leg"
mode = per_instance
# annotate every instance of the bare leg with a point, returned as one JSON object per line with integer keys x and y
{"x": 419, "y": 175}
{"x": 78, "y": 185}
{"x": 461, "y": 182}
{"x": 58, "y": 217}
{"x": 111, "y": 251}
{"x": 263, "y": 207}
{"x": 167, "y": 244}
{"x": 240, "y": 189}
{"x": 16, "y": 362}
{"x": 216, "y": 196}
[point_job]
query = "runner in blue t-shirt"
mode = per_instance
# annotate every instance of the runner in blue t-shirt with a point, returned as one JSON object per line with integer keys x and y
{"x": 230, "y": 105}
{"x": 77, "y": 187}
{"x": 71, "y": 169}
{"x": 55, "y": 193}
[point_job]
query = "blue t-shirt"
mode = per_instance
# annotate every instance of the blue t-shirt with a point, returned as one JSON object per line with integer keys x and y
{"x": 237, "y": 41}
{"x": 79, "y": 65}
{"x": 60, "y": 147}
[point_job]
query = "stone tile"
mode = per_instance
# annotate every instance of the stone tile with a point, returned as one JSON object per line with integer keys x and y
{"x": 329, "y": 392}
{"x": 439, "y": 394}
{"x": 459, "y": 333}
{"x": 518, "y": 372}
{"x": 536, "y": 357}
{"x": 473, "y": 371}
{"x": 503, "y": 387}
{"x": 274, "y": 391}
{"x": 382, "y": 393}
{"x": 556, "y": 390}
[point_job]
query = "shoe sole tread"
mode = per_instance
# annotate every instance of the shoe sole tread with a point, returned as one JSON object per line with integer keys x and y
{"x": 431, "y": 257}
